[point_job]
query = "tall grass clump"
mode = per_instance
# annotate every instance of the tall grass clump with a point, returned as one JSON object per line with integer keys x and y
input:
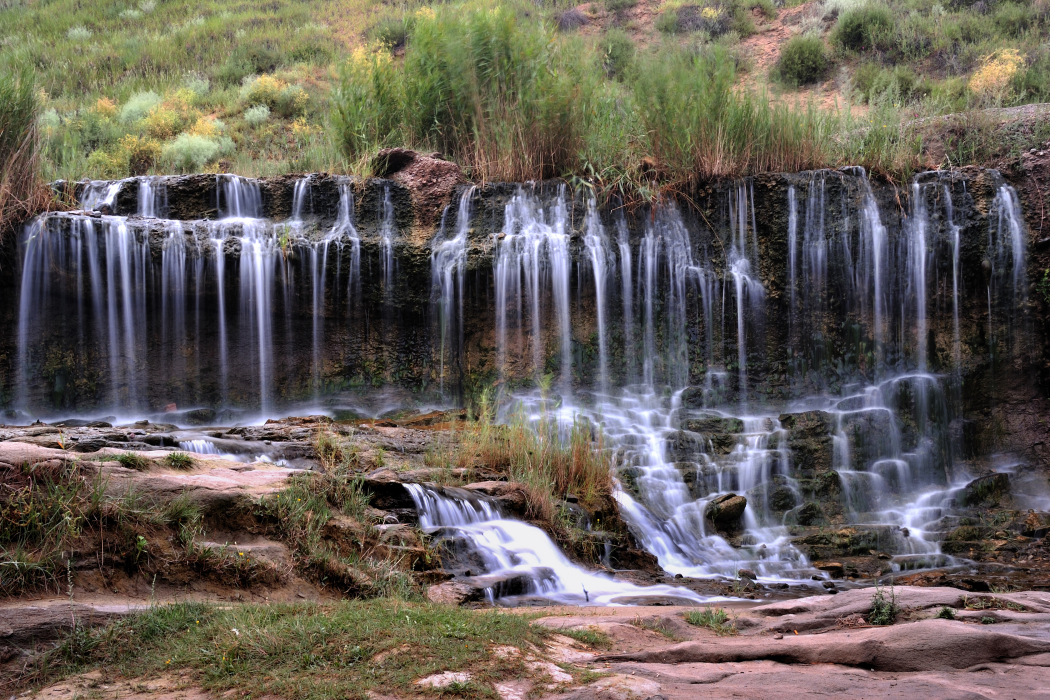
{"x": 20, "y": 191}
{"x": 499, "y": 94}
{"x": 699, "y": 128}
{"x": 550, "y": 460}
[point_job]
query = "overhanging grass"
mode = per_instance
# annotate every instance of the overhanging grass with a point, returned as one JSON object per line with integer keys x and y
{"x": 305, "y": 651}
{"x": 21, "y": 194}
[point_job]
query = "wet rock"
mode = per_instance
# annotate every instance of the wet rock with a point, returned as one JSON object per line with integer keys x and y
{"x": 511, "y": 496}
{"x": 809, "y": 514}
{"x": 718, "y": 434}
{"x": 833, "y": 568}
{"x": 747, "y": 573}
{"x": 726, "y": 509}
{"x": 988, "y": 489}
{"x": 809, "y": 439}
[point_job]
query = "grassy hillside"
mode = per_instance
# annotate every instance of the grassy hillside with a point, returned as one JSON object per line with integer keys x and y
{"x": 625, "y": 91}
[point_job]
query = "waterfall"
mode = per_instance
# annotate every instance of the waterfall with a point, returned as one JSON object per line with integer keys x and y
{"x": 448, "y": 267}
{"x": 386, "y": 234}
{"x": 100, "y": 194}
{"x": 510, "y": 548}
{"x": 599, "y": 256}
{"x": 153, "y": 197}
{"x": 822, "y": 381}
{"x": 532, "y": 257}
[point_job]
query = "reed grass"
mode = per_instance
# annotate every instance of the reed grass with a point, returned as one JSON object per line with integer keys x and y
{"x": 548, "y": 459}
{"x": 21, "y": 191}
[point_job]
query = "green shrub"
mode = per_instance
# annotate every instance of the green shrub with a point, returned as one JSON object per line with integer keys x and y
{"x": 190, "y": 153}
{"x": 667, "y": 21}
{"x": 78, "y": 33}
{"x": 946, "y": 613}
{"x": 132, "y": 460}
{"x": 699, "y": 128}
{"x": 1013, "y": 19}
{"x": 138, "y": 106}
{"x": 257, "y": 115}
{"x": 865, "y": 27}
{"x": 899, "y": 84}
{"x": 619, "y": 5}
{"x": 592, "y": 637}
{"x": 767, "y": 7}
{"x": 803, "y": 60}
{"x": 617, "y": 51}
{"x": 1032, "y": 83}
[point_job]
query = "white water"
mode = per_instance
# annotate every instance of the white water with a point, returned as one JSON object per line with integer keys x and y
{"x": 510, "y": 547}
{"x": 448, "y": 269}
{"x": 680, "y": 341}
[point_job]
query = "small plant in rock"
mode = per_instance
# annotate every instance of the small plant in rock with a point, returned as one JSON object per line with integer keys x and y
{"x": 714, "y": 619}
{"x": 946, "y": 613}
{"x": 130, "y": 460}
{"x": 179, "y": 460}
{"x": 884, "y": 610}
{"x": 987, "y": 620}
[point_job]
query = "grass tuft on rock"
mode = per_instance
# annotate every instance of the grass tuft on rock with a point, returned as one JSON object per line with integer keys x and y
{"x": 591, "y": 636}
{"x": 179, "y": 460}
{"x": 715, "y": 619}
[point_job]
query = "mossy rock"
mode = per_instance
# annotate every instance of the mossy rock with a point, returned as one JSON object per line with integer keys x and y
{"x": 988, "y": 489}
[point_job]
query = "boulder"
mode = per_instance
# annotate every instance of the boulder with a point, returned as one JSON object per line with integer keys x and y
{"x": 726, "y": 509}
{"x": 454, "y": 593}
{"x": 988, "y": 489}
{"x": 431, "y": 180}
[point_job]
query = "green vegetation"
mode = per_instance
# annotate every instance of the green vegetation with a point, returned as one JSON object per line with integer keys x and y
{"x": 48, "y": 511}
{"x": 19, "y": 154}
{"x": 347, "y": 650}
{"x": 132, "y": 460}
{"x": 179, "y": 460}
{"x": 946, "y": 613}
{"x": 116, "y": 88}
{"x": 715, "y": 619}
{"x": 658, "y": 625}
{"x": 866, "y": 27}
{"x": 803, "y": 60}
{"x": 592, "y": 637}
{"x": 884, "y": 610}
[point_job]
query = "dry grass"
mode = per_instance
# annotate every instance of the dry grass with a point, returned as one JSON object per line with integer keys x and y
{"x": 21, "y": 192}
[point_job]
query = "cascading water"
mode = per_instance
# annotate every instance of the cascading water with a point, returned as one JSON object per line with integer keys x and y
{"x": 812, "y": 365}
{"x": 532, "y": 260}
{"x": 511, "y": 548}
